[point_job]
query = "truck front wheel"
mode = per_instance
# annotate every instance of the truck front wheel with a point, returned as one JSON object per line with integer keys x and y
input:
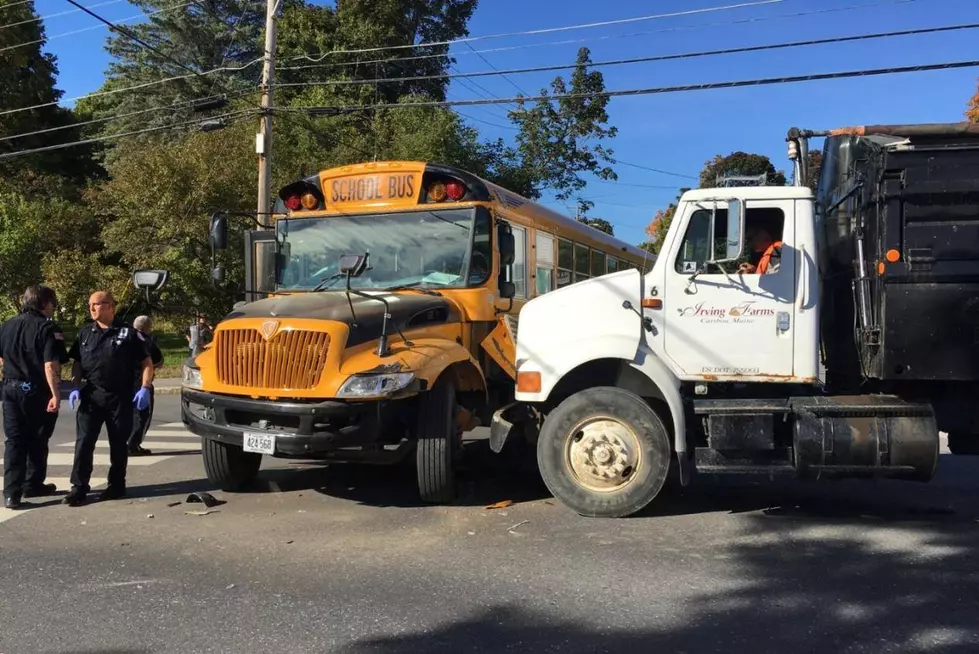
{"x": 229, "y": 467}
{"x": 436, "y": 434}
{"x": 604, "y": 452}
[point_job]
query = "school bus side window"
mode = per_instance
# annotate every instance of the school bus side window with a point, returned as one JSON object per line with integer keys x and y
{"x": 544, "y": 268}
{"x": 565, "y": 262}
{"x": 582, "y": 262}
{"x": 520, "y": 260}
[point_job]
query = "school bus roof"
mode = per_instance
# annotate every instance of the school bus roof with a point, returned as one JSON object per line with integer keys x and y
{"x": 401, "y": 185}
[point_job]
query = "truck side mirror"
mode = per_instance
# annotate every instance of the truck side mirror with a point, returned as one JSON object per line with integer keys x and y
{"x": 735, "y": 229}
{"x": 219, "y": 231}
{"x": 508, "y": 290}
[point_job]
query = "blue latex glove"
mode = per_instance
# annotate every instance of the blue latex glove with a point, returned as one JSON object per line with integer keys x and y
{"x": 74, "y": 399}
{"x": 142, "y": 399}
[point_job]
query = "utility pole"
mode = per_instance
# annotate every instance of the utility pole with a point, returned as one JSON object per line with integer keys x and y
{"x": 263, "y": 140}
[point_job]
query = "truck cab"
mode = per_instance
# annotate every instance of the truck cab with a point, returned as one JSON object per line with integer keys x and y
{"x": 716, "y": 358}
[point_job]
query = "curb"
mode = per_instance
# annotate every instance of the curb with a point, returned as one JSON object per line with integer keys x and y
{"x": 167, "y": 390}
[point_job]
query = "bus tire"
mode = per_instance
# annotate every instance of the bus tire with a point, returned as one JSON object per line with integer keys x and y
{"x": 603, "y": 452}
{"x": 436, "y": 436}
{"x": 229, "y": 467}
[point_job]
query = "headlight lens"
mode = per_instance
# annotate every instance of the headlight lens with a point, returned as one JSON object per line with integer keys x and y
{"x": 192, "y": 377}
{"x": 361, "y": 386}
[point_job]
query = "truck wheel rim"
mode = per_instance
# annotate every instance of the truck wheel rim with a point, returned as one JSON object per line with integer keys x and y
{"x": 603, "y": 454}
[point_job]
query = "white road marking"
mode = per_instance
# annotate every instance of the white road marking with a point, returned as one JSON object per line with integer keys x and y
{"x": 186, "y": 446}
{"x": 68, "y": 459}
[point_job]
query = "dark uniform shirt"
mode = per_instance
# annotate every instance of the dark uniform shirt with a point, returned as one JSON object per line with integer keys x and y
{"x": 155, "y": 354}
{"x": 27, "y": 342}
{"x": 108, "y": 356}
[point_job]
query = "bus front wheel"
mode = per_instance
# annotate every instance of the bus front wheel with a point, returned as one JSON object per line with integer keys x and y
{"x": 229, "y": 467}
{"x": 604, "y": 452}
{"x": 436, "y": 438}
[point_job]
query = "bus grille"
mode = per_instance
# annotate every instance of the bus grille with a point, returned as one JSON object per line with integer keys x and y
{"x": 291, "y": 360}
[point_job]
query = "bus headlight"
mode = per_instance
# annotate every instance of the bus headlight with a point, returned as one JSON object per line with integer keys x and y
{"x": 192, "y": 377}
{"x": 375, "y": 385}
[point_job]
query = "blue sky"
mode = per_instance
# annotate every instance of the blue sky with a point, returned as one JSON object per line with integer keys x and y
{"x": 672, "y": 132}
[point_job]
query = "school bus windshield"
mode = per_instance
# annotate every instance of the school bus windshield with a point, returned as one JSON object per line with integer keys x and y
{"x": 441, "y": 249}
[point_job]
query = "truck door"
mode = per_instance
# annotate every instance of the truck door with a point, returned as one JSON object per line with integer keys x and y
{"x": 721, "y": 323}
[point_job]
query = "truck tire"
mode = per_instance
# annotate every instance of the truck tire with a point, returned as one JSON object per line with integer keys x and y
{"x": 604, "y": 452}
{"x": 229, "y": 467}
{"x": 962, "y": 444}
{"x": 436, "y": 435}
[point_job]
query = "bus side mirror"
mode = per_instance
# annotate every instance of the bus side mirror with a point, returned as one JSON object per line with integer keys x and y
{"x": 508, "y": 246}
{"x": 508, "y": 290}
{"x": 219, "y": 231}
{"x": 353, "y": 264}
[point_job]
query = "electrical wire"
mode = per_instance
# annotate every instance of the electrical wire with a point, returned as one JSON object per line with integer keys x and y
{"x": 652, "y": 58}
{"x": 705, "y": 86}
{"x": 547, "y": 30}
{"x": 60, "y": 13}
{"x": 135, "y": 86}
{"x": 177, "y": 105}
{"x": 488, "y": 63}
{"x": 132, "y": 37}
{"x": 655, "y": 170}
{"x": 94, "y": 27}
{"x": 99, "y": 139}
{"x": 742, "y": 21}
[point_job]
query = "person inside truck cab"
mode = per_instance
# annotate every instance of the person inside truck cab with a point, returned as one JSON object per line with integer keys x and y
{"x": 764, "y": 255}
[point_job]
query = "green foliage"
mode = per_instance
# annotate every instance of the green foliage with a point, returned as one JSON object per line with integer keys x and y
{"x": 740, "y": 164}
{"x": 559, "y": 139}
{"x": 600, "y": 224}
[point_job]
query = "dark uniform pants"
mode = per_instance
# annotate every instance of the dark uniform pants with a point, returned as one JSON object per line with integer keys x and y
{"x": 37, "y": 457}
{"x": 24, "y": 417}
{"x": 98, "y": 408}
{"x": 141, "y": 423}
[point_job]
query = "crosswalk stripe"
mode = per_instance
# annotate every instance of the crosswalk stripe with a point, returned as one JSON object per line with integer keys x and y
{"x": 186, "y": 446}
{"x": 68, "y": 458}
{"x": 64, "y": 483}
{"x": 171, "y": 433}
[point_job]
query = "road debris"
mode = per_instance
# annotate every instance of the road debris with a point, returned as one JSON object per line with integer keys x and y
{"x": 500, "y": 505}
{"x": 150, "y": 515}
{"x": 523, "y": 522}
{"x": 173, "y": 504}
{"x": 205, "y": 512}
{"x": 205, "y": 498}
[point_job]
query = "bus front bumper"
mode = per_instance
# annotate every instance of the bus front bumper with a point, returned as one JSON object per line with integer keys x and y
{"x": 301, "y": 429}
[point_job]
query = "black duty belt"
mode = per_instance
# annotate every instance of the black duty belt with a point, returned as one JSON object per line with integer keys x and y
{"x": 25, "y": 386}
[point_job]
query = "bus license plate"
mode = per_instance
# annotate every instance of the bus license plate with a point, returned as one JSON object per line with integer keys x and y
{"x": 259, "y": 443}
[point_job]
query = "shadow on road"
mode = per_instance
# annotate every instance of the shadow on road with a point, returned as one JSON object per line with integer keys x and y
{"x": 795, "y": 582}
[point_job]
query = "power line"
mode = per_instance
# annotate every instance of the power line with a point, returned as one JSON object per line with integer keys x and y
{"x": 61, "y": 146}
{"x": 870, "y": 72}
{"x": 132, "y": 37}
{"x": 637, "y": 60}
{"x": 60, "y": 13}
{"x": 654, "y": 170}
{"x": 93, "y": 27}
{"x": 547, "y": 30}
{"x": 742, "y": 21}
{"x": 487, "y": 62}
{"x": 177, "y": 105}
{"x": 136, "y": 86}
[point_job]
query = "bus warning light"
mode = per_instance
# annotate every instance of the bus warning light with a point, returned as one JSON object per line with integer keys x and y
{"x": 292, "y": 202}
{"x": 309, "y": 201}
{"x": 455, "y": 190}
{"x": 437, "y": 191}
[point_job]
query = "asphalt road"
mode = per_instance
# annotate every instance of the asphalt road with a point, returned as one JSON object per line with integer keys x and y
{"x": 342, "y": 559}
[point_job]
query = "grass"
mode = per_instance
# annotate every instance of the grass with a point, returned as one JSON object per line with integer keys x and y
{"x": 173, "y": 346}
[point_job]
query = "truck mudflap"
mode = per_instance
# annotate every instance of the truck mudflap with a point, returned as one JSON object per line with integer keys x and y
{"x": 866, "y": 435}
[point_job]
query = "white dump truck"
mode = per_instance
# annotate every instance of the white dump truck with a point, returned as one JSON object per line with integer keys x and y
{"x": 826, "y": 334}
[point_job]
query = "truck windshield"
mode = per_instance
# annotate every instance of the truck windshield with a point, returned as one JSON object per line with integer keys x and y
{"x": 446, "y": 248}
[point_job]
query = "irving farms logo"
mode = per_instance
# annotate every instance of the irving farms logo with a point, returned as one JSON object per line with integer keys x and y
{"x": 744, "y": 312}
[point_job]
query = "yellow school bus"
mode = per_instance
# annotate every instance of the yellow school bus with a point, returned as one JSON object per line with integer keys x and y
{"x": 380, "y": 319}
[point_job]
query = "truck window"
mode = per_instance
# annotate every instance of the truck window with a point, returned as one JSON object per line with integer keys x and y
{"x": 763, "y": 228}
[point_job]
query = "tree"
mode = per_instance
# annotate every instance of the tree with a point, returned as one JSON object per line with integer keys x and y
{"x": 972, "y": 113}
{"x": 600, "y": 224}
{"x": 559, "y": 138}
{"x": 740, "y": 164}
{"x": 27, "y": 79}
{"x": 813, "y": 168}
{"x": 192, "y": 38}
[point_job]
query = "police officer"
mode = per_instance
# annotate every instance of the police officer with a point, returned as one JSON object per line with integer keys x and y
{"x": 105, "y": 353}
{"x": 37, "y": 458}
{"x": 30, "y": 388}
{"x": 143, "y": 417}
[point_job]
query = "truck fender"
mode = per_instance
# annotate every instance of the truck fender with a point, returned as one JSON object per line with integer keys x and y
{"x": 667, "y": 384}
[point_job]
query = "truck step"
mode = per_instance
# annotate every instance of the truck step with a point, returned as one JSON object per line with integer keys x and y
{"x": 740, "y": 407}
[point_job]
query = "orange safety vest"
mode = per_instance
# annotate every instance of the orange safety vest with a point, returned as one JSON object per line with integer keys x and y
{"x": 767, "y": 257}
